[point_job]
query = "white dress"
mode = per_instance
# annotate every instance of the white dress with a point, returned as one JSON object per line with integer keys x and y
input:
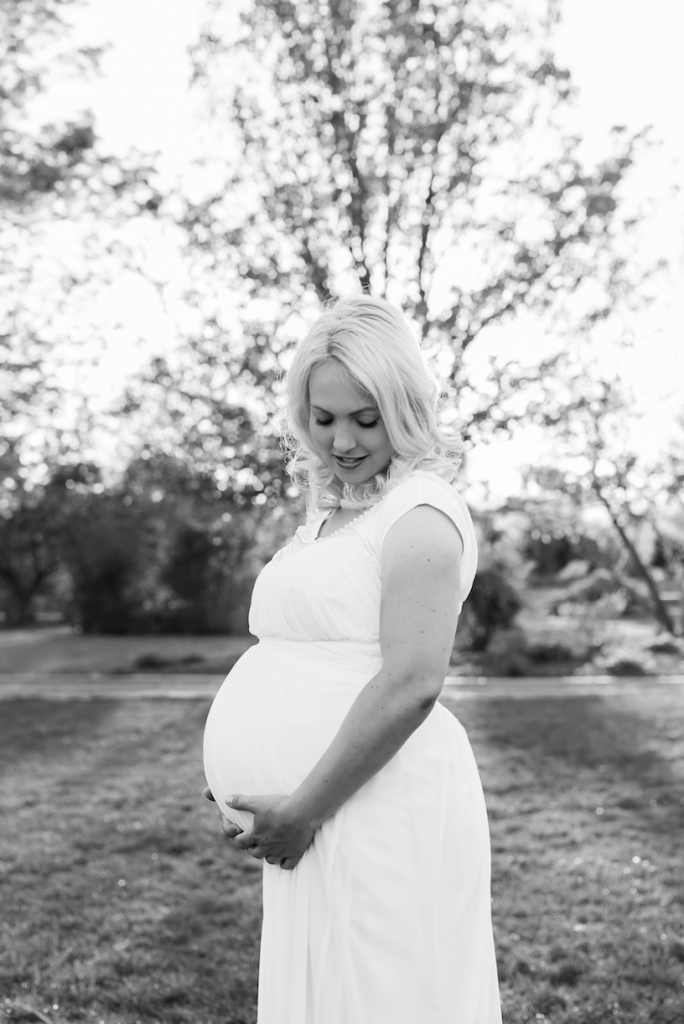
{"x": 387, "y": 918}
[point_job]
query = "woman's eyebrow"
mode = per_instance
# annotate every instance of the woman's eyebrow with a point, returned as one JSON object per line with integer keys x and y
{"x": 367, "y": 408}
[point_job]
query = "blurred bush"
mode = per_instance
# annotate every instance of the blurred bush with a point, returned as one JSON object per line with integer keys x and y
{"x": 493, "y": 604}
{"x": 499, "y": 585}
{"x": 106, "y": 549}
{"x": 551, "y": 552}
{"x": 161, "y": 551}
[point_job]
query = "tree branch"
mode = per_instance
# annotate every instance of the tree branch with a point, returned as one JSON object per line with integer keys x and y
{"x": 661, "y": 610}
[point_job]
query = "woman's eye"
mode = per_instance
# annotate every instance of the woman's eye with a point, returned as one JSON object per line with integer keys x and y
{"x": 326, "y": 423}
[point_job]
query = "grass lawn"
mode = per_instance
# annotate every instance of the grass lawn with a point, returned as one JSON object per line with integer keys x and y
{"x": 121, "y": 904}
{"x": 61, "y": 651}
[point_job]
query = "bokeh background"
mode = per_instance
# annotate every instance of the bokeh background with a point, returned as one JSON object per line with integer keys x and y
{"x": 182, "y": 186}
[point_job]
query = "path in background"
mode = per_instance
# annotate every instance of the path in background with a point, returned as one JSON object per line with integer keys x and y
{"x": 31, "y": 637}
{"x": 55, "y": 664}
{"x": 149, "y": 686}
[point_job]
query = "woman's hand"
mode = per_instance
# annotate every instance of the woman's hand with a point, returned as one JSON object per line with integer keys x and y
{"x": 276, "y": 836}
{"x": 229, "y": 827}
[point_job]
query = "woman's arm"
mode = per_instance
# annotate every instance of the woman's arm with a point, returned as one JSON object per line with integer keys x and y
{"x": 420, "y": 566}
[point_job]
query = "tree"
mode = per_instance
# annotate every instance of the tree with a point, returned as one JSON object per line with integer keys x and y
{"x": 592, "y": 427}
{"x": 211, "y": 539}
{"x": 163, "y": 549}
{"x": 195, "y": 413}
{"x": 29, "y": 557}
{"x": 407, "y": 148}
{"x": 108, "y": 548}
{"x": 62, "y": 201}
{"x": 33, "y": 524}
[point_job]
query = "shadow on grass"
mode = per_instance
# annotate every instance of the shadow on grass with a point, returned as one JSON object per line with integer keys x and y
{"x": 583, "y": 796}
{"x": 629, "y": 742}
{"x": 120, "y": 897}
{"x": 26, "y": 731}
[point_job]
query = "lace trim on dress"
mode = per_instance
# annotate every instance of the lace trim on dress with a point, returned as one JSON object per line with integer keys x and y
{"x": 352, "y": 522}
{"x": 296, "y": 544}
{"x": 308, "y": 534}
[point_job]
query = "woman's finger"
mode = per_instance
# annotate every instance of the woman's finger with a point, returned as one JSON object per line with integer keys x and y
{"x": 245, "y": 803}
{"x": 256, "y": 852}
{"x": 245, "y": 840}
{"x": 228, "y": 825}
{"x": 206, "y": 792}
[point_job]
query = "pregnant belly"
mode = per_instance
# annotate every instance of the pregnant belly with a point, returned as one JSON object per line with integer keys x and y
{"x": 277, "y": 712}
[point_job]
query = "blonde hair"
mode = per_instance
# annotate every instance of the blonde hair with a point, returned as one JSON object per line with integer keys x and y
{"x": 373, "y": 343}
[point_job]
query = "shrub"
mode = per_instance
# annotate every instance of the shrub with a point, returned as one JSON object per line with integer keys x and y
{"x": 545, "y": 653}
{"x": 627, "y": 667}
{"x": 493, "y": 604}
{"x": 105, "y": 550}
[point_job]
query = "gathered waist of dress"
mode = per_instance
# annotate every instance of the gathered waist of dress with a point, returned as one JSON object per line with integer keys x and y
{"x": 353, "y": 655}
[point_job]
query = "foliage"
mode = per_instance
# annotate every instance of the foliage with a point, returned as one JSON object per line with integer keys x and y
{"x": 592, "y": 430}
{"x": 205, "y": 571}
{"x": 411, "y": 150}
{"x": 156, "y": 553}
{"x": 107, "y": 552}
{"x": 63, "y": 202}
{"x": 496, "y": 595}
{"x": 552, "y": 543}
{"x": 213, "y": 537}
{"x": 168, "y": 549}
{"x": 202, "y": 419}
{"x": 33, "y": 522}
{"x": 29, "y": 557}
{"x": 493, "y": 604}
{"x": 164, "y": 549}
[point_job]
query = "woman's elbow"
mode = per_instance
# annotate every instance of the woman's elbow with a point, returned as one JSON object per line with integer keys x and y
{"x": 426, "y": 690}
{"x": 426, "y": 704}
{"x": 416, "y": 691}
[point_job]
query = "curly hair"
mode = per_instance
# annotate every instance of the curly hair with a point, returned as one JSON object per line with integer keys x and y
{"x": 373, "y": 343}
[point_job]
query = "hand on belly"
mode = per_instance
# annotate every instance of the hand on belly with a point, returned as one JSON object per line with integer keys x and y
{"x": 276, "y": 835}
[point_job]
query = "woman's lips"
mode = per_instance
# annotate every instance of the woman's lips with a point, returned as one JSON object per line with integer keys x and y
{"x": 346, "y": 463}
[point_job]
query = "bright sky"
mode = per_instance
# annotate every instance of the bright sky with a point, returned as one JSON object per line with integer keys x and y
{"x": 625, "y": 59}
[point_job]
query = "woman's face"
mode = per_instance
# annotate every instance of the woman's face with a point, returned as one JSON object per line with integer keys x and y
{"x": 345, "y": 424}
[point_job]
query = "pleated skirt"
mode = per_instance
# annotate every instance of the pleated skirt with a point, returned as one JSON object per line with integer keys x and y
{"x": 387, "y": 917}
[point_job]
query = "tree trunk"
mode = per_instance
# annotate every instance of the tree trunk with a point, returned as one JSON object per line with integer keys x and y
{"x": 18, "y": 610}
{"x": 661, "y": 611}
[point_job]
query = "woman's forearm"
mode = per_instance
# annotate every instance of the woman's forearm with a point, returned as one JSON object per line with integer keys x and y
{"x": 383, "y": 716}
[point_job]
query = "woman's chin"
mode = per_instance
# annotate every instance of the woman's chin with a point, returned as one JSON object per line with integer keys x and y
{"x": 353, "y": 478}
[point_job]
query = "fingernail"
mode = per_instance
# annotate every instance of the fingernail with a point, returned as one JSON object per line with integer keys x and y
{"x": 229, "y": 799}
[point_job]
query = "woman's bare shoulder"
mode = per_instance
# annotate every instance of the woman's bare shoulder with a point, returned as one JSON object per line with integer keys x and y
{"x": 422, "y": 534}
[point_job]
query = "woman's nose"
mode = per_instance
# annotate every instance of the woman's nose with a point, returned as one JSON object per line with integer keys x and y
{"x": 343, "y": 441}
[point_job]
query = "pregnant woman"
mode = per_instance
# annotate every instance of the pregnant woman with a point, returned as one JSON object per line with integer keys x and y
{"x": 326, "y": 747}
